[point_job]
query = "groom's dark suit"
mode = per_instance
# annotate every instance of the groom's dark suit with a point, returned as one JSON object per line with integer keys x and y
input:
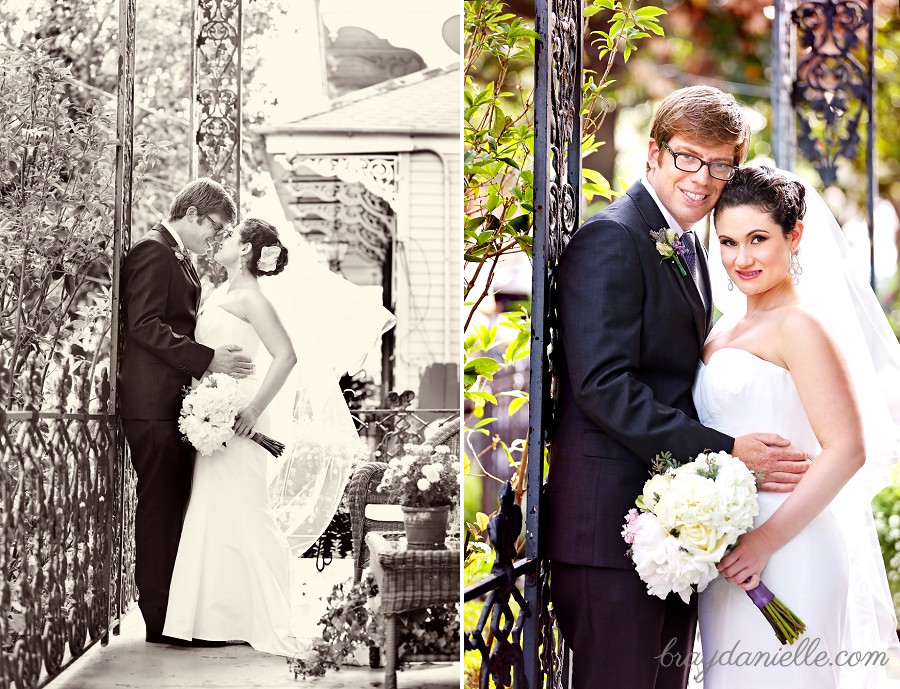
{"x": 161, "y": 294}
{"x": 632, "y": 334}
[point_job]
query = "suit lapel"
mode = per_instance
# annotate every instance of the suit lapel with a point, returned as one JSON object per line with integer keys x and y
{"x": 186, "y": 265}
{"x": 655, "y": 221}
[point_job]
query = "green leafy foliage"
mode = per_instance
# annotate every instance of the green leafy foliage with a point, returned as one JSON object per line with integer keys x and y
{"x": 57, "y": 186}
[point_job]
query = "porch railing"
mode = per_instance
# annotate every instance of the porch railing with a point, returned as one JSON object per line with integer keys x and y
{"x": 64, "y": 560}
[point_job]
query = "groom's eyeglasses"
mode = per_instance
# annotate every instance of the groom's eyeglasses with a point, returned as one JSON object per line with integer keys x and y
{"x": 688, "y": 163}
{"x": 219, "y": 230}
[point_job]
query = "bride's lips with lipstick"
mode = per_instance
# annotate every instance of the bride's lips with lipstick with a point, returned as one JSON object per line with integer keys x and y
{"x": 748, "y": 274}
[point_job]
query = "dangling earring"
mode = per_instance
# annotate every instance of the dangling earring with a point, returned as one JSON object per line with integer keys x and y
{"x": 241, "y": 263}
{"x": 730, "y": 285}
{"x": 795, "y": 270}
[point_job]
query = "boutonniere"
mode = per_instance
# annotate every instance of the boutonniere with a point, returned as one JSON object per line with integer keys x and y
{"x": 669, "y": 246}
{"x": 179, "y": 255}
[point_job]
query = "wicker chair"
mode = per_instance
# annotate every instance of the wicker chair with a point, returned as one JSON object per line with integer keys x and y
{"x": 363, "y": 493}
{"x": 447, "y": 434}
{"x": 387, "y": 518}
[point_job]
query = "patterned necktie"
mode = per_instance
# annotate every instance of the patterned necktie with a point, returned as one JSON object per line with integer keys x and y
{"x": 690, "y": 255}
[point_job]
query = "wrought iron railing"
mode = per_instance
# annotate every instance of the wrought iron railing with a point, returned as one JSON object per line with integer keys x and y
{"x": 387, "y": 428}
{"x": 61, "y": 560}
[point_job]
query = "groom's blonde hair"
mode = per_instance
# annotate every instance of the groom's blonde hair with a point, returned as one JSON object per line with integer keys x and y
{"x": 703, "y": 114}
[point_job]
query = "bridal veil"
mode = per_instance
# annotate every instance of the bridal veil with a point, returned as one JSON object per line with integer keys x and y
{"x": 333, "y": 324}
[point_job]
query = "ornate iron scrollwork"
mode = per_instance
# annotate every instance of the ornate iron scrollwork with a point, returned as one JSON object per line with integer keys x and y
{"x": 502, "y": 659}
{"x": 57, "y": 493}
{"x": 216, "y": 93}
{"x": 833, "y": 86}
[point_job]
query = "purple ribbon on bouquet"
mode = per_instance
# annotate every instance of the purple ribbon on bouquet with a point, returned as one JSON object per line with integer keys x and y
{"x": 761, "y": 595}
{"x": 786, "y": 625}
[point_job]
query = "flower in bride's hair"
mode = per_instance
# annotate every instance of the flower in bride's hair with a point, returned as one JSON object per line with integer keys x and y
{"x": 268, "y": 258}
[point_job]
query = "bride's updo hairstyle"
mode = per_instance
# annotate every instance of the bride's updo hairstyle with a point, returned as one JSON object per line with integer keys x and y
{"x": 265, "y": 245}
{"x": 768, "y": 191}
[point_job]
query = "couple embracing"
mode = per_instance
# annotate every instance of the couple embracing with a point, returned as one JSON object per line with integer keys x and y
{"x": 793, "y": 380}
{"x": 212, "y": 561}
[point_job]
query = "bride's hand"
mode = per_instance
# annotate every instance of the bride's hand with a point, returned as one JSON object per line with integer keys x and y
{"x": 743, "y": 565}
{"x": 246, "y": 421}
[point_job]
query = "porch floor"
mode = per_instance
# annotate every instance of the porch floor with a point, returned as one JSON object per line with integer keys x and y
{"x": 130, "y": 662}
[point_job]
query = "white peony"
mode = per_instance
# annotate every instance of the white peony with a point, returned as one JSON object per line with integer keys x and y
{"x": 663, "y": 564}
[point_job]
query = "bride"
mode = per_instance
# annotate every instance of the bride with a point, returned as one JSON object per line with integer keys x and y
{"x": 805, "y": 352}
{"x": 246, "y": 523}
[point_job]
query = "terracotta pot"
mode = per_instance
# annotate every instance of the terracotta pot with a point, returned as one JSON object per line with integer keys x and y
{"x": 426, "y": 527}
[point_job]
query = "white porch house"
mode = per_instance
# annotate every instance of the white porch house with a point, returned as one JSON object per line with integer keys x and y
{"x": 374, "y": 179}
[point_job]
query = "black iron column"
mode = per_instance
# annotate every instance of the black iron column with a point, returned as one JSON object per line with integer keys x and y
{"x": 120, "y": 531}
{"x": 557, "y": 200}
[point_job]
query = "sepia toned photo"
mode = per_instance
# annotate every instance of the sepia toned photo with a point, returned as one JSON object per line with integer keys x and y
{"x": 230, "y": 343}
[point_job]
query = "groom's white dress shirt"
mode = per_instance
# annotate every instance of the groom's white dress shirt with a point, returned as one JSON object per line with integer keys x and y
{"x": 178, "y": 239}
{"x": 673, "y": 224}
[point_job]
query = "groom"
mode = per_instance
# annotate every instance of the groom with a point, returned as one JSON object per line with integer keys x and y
{"x": 632, "y": 331}
{"x": 161, "y": 293}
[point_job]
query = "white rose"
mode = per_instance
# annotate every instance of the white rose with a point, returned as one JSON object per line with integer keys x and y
{"x": 654, "y": 489}
{"x": 704, "y": 542}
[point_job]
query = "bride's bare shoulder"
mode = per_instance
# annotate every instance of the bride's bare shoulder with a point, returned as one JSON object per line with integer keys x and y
{"x": 800, "y": 333}
{"x": 255, "y": 303}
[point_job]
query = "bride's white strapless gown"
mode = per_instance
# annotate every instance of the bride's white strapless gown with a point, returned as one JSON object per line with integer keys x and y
{"x": 738, "y": 393}
{"x": 232, "y": 577}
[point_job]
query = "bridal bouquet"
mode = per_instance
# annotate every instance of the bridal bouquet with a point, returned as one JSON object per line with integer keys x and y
{"x": 208, "y": 413}
{"x": 690, "y": 516}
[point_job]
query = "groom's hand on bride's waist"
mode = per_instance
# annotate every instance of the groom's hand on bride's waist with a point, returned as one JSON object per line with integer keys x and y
{"x": 780, "y": 465}
{"x": 228, "y": 359}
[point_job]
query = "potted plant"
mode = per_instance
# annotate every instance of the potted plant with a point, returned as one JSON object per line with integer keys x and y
{"x": 424, "y": 480}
